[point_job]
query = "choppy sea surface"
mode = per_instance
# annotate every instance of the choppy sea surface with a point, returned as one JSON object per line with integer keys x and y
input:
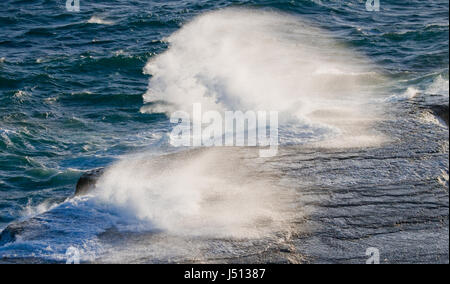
{"x": 363, "y": 156}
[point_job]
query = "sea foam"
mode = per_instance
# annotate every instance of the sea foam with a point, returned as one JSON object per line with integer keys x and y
{"x": 99, "y": 21}
{"x": 257, "y": 60}
{"x": 212, "y": 192}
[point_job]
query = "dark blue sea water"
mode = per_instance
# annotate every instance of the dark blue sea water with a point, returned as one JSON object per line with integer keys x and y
{"x": 74, "y": 97}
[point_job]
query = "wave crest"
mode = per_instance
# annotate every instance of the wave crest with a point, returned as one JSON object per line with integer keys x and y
{"x": 257, "y": 60}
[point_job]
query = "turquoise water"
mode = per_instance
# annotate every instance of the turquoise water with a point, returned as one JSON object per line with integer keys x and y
{"x": 73, "y": 90}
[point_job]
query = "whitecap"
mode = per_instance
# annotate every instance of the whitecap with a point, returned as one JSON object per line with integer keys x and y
{"x": 4, "y": 134}
{"x": 30, "y": 210}
{"x": 99, "y": 21}
{"x": 20, "y": 94}
{"x": 211, "y": 192}
{"x": 410, "y": 93}
{"x": 237, "y": 59}
{"x": 439, "y": 86}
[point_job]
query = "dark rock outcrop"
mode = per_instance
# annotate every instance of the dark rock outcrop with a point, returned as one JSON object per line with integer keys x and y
{"x": 441, "y": 111}
{"x": 9, "y": 234}
{"x": 87, "y": 181}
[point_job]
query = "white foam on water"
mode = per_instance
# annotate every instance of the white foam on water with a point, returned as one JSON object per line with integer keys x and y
{"x": 210, "y": 193}
{"x": 170, "y": 204}
{"x": 20, "y": 94}
{"x": 410, "y": 93}
{"x": 99, "y": 21}
{"x": 440, "y": 87}
{"x": 30, "y": 210}
{"x": 4, "y": 134}
{"x": 257, "y": 60}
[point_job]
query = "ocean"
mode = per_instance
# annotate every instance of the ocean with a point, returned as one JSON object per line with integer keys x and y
{"x": 362, "y": 162}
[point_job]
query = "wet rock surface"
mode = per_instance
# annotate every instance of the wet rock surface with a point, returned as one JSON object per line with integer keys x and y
{"x": 406, "y": 219}
{"x": 87, "y": 181}
{"x": 390, "y": 198}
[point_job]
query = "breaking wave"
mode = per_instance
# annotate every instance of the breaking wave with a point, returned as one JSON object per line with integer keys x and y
{"x": 258, "y": 60}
